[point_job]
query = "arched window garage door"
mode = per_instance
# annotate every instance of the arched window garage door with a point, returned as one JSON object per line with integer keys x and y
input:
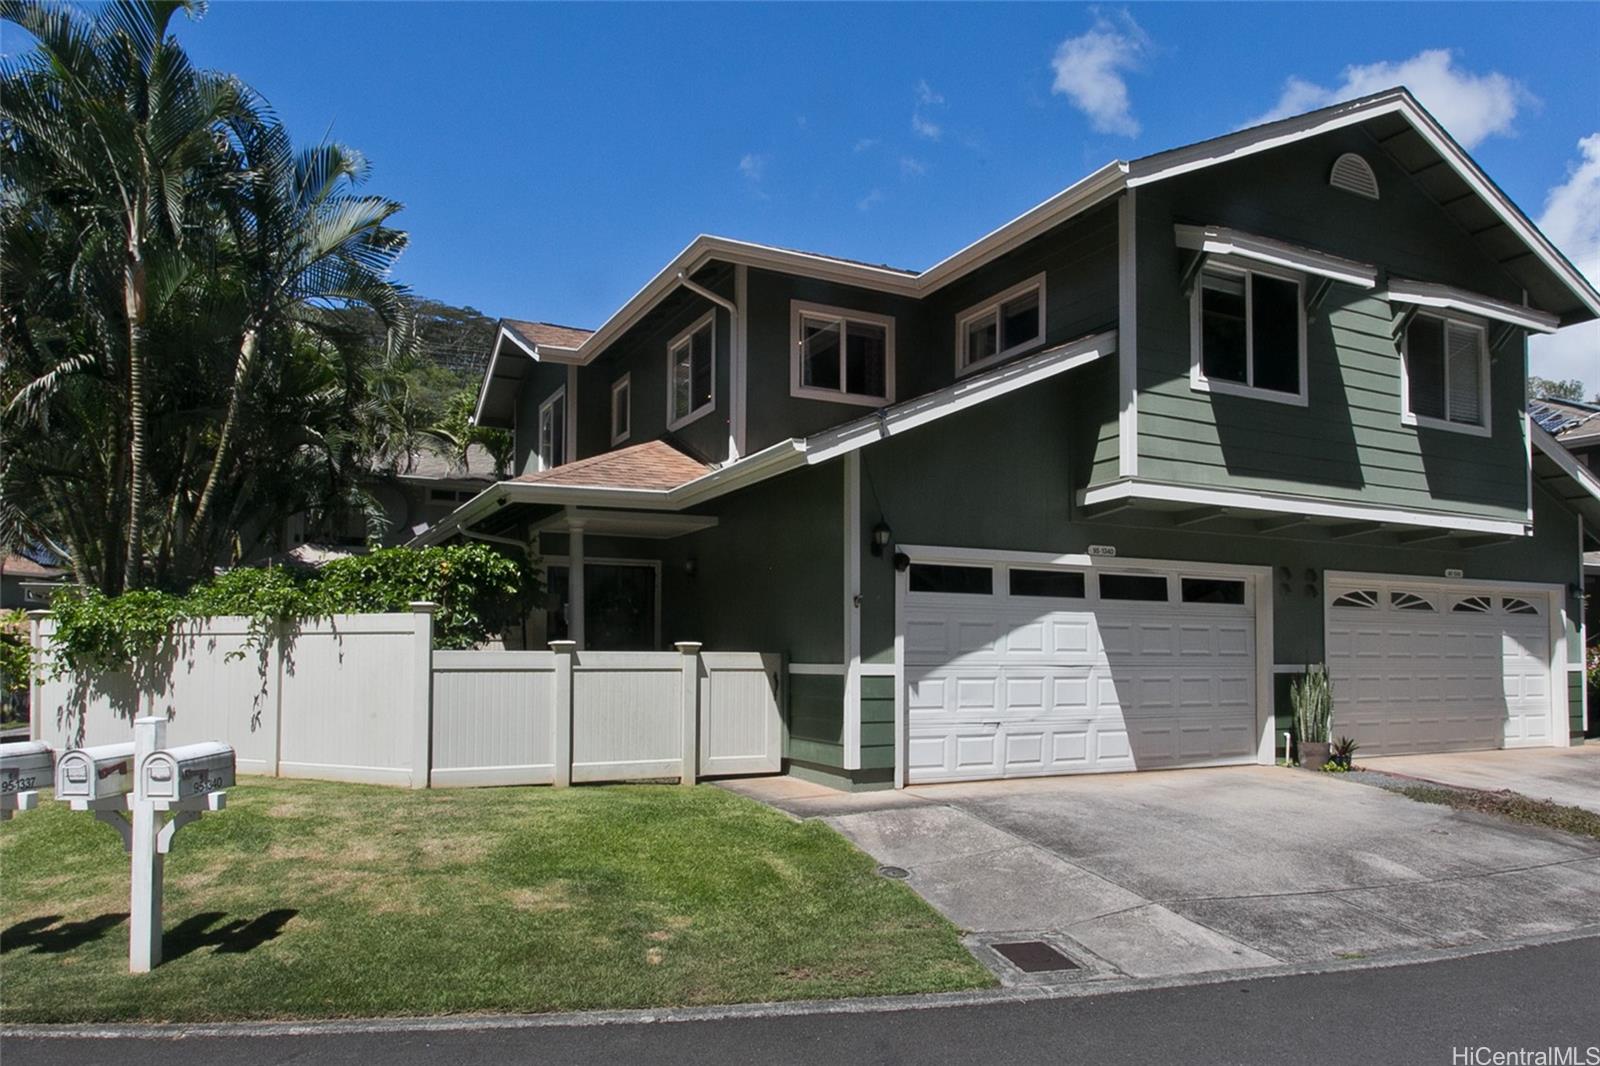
{"x": 1020, "y": 666}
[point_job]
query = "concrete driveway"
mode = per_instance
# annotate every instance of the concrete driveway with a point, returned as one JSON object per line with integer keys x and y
{"x": 1566, "y": 775}
{"x": 1190, "y": 871}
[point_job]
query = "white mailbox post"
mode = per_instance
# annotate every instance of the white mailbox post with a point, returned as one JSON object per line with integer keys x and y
{"x": 128, "y": 786}
{"x": 24, "y": 769}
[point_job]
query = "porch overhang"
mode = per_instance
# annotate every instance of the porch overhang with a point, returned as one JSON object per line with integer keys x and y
{"x": 1192, "y": 505}
{"x": 643, "y": 525}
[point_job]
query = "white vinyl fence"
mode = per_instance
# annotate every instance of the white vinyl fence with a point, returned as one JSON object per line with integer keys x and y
{"x": 366, "y": 698}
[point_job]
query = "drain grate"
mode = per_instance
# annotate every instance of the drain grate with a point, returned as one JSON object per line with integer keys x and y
{"x": 898, "y": 873}
{"x": 1035, "y": 956}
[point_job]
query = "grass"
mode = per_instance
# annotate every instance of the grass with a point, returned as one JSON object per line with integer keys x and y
{"x": 308, "y": 899}
{"x": 1512, "y": 805}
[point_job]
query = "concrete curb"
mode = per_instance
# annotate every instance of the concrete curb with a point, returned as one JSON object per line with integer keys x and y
{"x": 795, "y": 1008}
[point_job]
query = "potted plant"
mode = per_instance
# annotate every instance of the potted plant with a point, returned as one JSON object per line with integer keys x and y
{"x": 1344, "y": 751}
{"x": 1311, "y": 695}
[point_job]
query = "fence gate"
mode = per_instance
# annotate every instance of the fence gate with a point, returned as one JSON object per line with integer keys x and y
{"x": 741, "y": 716}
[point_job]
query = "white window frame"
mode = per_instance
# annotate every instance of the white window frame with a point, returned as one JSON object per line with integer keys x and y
{"x": 545, "y": 410}
{"x": 1460, "y": 321}
{"x": 798, "y": 310}
{"x": 673, "y": 421}
{"x": 1197, "y": 376}
{"x": 992, "y": 306}
{"x": 623, "y": 386}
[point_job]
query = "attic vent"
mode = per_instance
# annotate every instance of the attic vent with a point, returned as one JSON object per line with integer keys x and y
{"x": 1353, "y": 174}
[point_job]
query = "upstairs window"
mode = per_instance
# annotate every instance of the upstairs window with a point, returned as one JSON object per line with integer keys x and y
{"x": 1002, "y": 327}
{"x": 1249, "y": 334}
{"x": 691, "y": 372}
{"x": 1446, "y": 374}
{"x": 553, "y": 430}
{"x": 621, "y": 413}
{"x": 841, "y": 355}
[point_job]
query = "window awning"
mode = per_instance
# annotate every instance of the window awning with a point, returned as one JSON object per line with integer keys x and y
{"x": 1220, "y": 240}
{"x": 1428, "y": 294}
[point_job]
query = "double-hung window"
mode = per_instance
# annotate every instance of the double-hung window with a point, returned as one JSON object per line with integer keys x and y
{"x": 840, "y": 355}
{"x": 621, "y": 409}
{"x": 1446, "y": 374}
{"x": 691, "y": 372}
{"x": 553, "y": 430}
{"x": 1248, "y": 333}
{"x": 1001, "y": 327}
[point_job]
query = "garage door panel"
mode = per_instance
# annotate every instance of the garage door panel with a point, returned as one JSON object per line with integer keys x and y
{"x": 1409, "y": 681}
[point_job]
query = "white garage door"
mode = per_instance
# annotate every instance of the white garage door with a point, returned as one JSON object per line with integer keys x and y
{"x": 1017, "y": 671}
{"x": 1417, "y": 668}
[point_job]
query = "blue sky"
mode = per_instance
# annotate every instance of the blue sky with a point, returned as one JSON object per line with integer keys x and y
{"x": 551, "y": 158}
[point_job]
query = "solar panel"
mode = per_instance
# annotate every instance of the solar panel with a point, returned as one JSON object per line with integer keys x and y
{"x": 1550, "y": 418}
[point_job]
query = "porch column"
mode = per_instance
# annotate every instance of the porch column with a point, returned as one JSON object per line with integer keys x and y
{"x": 575, "y": 582}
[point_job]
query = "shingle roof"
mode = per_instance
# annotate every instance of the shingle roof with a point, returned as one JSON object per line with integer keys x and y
{"x": 432, "y": 460}
{"x": 652, "y": 465}
{"x": 21, "y": 566}
{"x": 537, "y": 333}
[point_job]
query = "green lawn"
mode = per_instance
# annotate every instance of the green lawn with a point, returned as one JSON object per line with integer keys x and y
{"x": 308, "y": 899}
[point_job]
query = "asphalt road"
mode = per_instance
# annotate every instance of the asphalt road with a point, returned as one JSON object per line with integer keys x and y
{"x": 1532, "y": 998}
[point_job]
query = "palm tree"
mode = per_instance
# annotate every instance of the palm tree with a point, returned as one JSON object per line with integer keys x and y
{"x": 109, "y": 124}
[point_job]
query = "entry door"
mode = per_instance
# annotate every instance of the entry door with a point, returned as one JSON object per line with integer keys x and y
{"x": 1016, "y": 671}
{"x": 1418, "y": 668}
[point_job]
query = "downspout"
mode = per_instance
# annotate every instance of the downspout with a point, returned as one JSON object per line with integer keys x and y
{"x": 735, "y": 359}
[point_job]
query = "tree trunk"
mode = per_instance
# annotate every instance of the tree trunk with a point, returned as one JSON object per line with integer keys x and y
{"x": 241, "y": 371}
{"x": 134, "y": 306}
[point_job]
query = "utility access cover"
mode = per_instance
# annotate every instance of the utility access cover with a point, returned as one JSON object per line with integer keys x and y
{"x": 1034, "y": 956}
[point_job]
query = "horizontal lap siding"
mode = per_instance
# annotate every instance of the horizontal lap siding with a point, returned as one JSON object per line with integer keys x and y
{"x": 877, "y": 723}
{"x": 816, "y": 719}
{"x": 1349, "y": 443}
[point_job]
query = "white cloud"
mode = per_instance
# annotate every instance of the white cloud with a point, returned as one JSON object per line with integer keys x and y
{"x": 1571, "y": 219}
{"x": 866, "y": 144}
{"x": 753, "y": 166}
{"x": 1089, "y": 71}
{"x": 1471, "y": 106}
{"x": 869, "y": 201}
{"x": 921, "y": 124}
{"x": 912, "y": 167}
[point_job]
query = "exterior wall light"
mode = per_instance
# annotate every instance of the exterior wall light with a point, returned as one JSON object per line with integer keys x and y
{"x": 689, "y": 567}
{"x": 881, "y": 533}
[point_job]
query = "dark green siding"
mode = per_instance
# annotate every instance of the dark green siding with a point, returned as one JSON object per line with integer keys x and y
{"x": 542, "y": 380}
{"x": 1348, "y": 444}
{"x": 877, "y": 723}
{"x": 1575, "y": 704}
{"x": 816, "y": 719}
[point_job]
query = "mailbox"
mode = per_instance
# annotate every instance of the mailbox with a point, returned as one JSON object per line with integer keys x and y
{"x": 97, "y": 773}
{"x": 181, "y": 773}
{"x": 25, "y": 767}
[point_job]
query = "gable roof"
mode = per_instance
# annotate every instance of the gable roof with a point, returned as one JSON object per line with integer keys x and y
{"x": 539, "y": 341}
{"x": 548, "y": 334}
{"x": 654, "y": 465}
{"x": 14, "y": 565}
{"x": 1399, "y": 125}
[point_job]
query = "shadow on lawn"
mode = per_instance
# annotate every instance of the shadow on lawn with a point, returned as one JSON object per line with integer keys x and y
{"x": 235, "y": 937}
{"x": 49, "y": 935}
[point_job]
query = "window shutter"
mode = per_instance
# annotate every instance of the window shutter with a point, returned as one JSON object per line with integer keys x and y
{"x": 1465, "y": 375}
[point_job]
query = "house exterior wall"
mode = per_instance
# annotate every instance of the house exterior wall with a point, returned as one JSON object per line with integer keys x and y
{"x": 1348, "y": 443}
{"x": 543, "y": 379}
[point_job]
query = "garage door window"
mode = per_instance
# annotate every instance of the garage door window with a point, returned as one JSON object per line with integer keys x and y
{"x": 962, "y": 580}
{"x": 1212, "y": 590}
{"x": 1133, "y": 587}
{"x": 1361, "y": 598}
{"x": 1409, "y": 601}
{"x": 1055, "y": 584}
{"x": 1513, "y": 605}
{"x": 1473, "y": 605}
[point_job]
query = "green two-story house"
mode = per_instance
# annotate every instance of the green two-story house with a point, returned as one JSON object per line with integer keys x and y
{"x": 1086, "y": 494}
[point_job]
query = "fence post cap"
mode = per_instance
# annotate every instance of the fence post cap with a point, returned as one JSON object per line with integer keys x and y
{"x": 688, "y": 647}
{"x": 38, "y": 614}
{"x": 423, "y": 606}
{"x": 563, "y": 646}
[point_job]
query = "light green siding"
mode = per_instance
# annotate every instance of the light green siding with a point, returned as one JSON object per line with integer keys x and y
{"x": 877, "y": 723}
{"x": 1348, "y": 443}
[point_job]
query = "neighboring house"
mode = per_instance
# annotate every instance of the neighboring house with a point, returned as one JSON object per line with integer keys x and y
{"x": 1087, "y": 494}
{"x": 1576, "y": 426}
{"x": 26, "y": 585}
{"x": 433, "y": 484}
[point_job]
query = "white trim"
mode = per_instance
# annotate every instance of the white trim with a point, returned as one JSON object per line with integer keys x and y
{"x": 1220, "y": 240}
{"x": 993, "y": 306}
{"x": 877, "y": 669}
{"x": 1485, "y": 393}
{"x": 1197, "y": 375}
{"x": 655, "y": 564}
{"x": 817, "y": 669}
{"x": 547, "y": 407}
{"x": 1429, "y": 294}
{"x": 843, "y": 316}
{"x": 1311, "y": 507}
{"x": 1261, "y": 607}
{"x": 739, "y": 365}
{"x": 1556, "y": 613}
{"x": 570, "y": 416}
{"x": 963, "y": 394}
{"x": 623, "y": 385}
{"x": 1290, "y": 668}
{"x": 851, "y": 634}
{"x": 1287, "y": 131}
{"x": 685, "y": 337}
{"x": 1128, "y": 335}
